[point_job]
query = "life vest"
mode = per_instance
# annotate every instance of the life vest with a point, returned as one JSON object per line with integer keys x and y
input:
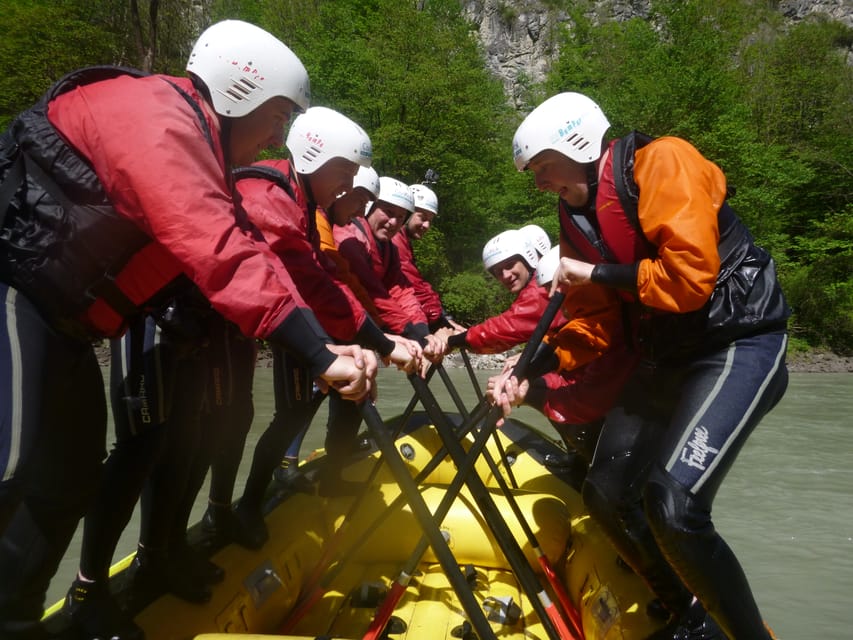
{"x": 284, "y": 181}
{"x": 746, "y": 299}
{"x": 61, "y": 241}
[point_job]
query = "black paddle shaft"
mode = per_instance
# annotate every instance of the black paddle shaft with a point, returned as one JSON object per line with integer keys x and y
{"x": 428, "y": 524}
{"x": 503, "y": 535}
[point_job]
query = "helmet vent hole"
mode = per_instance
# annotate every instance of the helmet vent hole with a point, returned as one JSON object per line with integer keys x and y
{"x": 240, "y": 89}
{"x": 237, "y": 96}
{"x": 311, "y": 153}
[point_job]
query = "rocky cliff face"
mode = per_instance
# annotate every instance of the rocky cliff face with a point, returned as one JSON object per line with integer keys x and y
{"x": 518, "y": 36}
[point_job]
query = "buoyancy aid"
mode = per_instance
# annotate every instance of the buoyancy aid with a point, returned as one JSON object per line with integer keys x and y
{"x": 282, "y": 180}
{"x": 61, "y": 241}
{"x": 746, "y": 299}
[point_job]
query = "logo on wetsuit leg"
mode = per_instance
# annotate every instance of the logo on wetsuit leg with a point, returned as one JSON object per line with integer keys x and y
{"x": 697, "y": 449}
{"x": 144, "y": 411}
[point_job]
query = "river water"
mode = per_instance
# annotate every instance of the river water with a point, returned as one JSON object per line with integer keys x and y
{"x": 786, "y": 508}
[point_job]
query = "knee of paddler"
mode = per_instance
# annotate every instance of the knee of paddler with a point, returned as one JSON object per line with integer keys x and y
{"x": 673, "y": 510}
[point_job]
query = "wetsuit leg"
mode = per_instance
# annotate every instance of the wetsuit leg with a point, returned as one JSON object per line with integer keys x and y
{"x": 720, "y": 400}
{"x": 295, "y": 406}
{"x": 292, "y": 452}
{"x": 141, "y": 379}
{"x": 59, "y": 451}
{"x": 342, "y": 427}
{"x": 230, "y": 426}
{"x": 612, "y": 491}
{"x": 341, "y": 442}
{"x": 24, "y": 352}
{"x": 165, "y": 487}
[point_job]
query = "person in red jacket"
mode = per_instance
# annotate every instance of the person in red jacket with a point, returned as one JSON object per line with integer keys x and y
{"x": 365, "y": 188}
{"x": 574, "y": 401}
{"x": 512, "y": 260}
{"x": 140, "y": 168}
{"x": 416, "y": 226}
{"x": 281, "y": 197}
{"x": 373, "y": 259}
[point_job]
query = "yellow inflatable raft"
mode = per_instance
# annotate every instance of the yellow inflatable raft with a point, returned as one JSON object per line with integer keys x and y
{"x": 330, "y": 562}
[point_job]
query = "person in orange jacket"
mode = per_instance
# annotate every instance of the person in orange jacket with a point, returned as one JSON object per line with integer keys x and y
{"x": 649, "y": 219}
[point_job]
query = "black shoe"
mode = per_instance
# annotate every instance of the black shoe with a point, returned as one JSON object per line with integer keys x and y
{"x": 696, "y": 624}
{"x": 250, "y": 529}
{"x": 95, "y": 615}
{"x": 219, "y": 522}
{"x": 199, "y": 566}
{"x": 288, "y": 478}
{"x": 285, "y": 471}
{"x": 155, "y": 576}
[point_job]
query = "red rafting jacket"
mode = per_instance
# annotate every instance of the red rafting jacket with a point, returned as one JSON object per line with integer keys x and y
{"x": 285, "y": 225}
{"x": 377, "y": 267}
{"x": 515, "y": 325}
{"x": 148, "y": 148}
{"x": 426, "y": 295}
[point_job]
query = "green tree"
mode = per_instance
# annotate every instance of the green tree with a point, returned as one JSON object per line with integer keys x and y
{"x": 769, "y": 104}
{"x": 768, "y": 101}
{"x": 49, "y": 40}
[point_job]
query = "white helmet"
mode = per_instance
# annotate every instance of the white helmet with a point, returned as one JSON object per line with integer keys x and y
{"x": 425, "y": 198}
{"x": 548, "y": 266}
{"x": 569, "y": 123}
{"x": 537, "y": 237}
{"x": 243, "y": 66}
{"x": 506, "y": 245}
{"x": 367, "y": 179}
{"x": 320, "y": 134}
{"x": 394, "y": 192}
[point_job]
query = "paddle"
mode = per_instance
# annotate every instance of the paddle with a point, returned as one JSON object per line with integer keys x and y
{"x": 545, "y": 609}
{"x": 315, "y": 586}
{"x": 431, "y": 529}
{"x": 551, "y": 620}
{"x": 547, "y": 567}
{"x": 454, "y": 394}
{"x": 467, "y": 362}
{"x": 317, "y": 589}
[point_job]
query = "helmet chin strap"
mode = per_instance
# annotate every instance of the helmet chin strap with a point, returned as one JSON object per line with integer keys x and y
{"x": 592, "y": 185}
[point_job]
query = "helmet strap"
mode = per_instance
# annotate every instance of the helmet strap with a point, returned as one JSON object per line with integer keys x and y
{"x": 592, "y": 185}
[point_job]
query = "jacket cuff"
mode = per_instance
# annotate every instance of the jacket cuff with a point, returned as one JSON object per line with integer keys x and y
{"x": 537, "y": 394}
{"x": 417, "y": 331}
{"x": 370, "y": 335}
{"x": 618, "y": 276}
{"x": 544, "y": 360}
{"x": 458, "y": 340}
{"x": 301, "y": 335}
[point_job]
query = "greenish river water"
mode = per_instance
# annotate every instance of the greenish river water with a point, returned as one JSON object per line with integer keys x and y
{"x": 786, "y": 507}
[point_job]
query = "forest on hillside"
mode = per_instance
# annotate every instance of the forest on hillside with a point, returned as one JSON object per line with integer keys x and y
{"x": 769, "y": 101}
